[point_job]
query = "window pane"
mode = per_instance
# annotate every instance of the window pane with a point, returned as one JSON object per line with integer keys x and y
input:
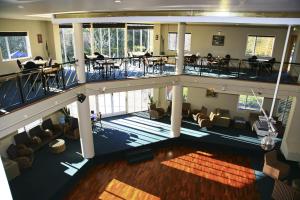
{"x": 101, "y": 104}
{"x": 130, "y": 40}
{"x": 108, "y": 103}
{"x": 66, "y": 37}
{"x": 92, "y": 100}
{"x": 105, "y": 42}
{"x": 137, "y": 40}
{"x": 172, "y": 41}
{"x": 122, "y": 101}
{"x": 137, "y": 100}
{"x": 3, "y": 48}
{"x": 116, "y": 101}
{"x": 17, "y": 47}
{"x": 121, "y": 42}
{"x": 113, "y": 42}
{"x": 97, "y": 39}
{"x": 73, "y": 109}
{"x": 250, "y": 49}
{"x": 249, "y": 102}
{"x": 264, "y": 46}
{"x": 187, "y": 43}
{"x": 145, "y": 40}
{"x": 130, "y": 100}
{"x": 87, "y": 41}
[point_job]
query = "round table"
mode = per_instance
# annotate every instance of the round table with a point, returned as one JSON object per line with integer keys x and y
{"x": 57, "y": 146}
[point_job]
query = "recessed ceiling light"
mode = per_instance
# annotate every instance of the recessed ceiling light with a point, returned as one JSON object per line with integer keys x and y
{"x": 117, "y": 1}
{"x": 20, "y": 6}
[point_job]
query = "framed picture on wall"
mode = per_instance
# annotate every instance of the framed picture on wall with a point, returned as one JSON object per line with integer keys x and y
{"x": 218, "y": 40}
{"x": 40, "y": 38}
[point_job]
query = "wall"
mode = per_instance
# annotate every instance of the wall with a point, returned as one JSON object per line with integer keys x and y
{"x": 8, "y": 140}
{"x": 235, "y": 39}
{"x": 33, "y": 28}
{"x": 197, "y": 98}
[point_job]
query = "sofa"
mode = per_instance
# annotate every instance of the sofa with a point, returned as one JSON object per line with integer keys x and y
{"x": 38, "y": 136}
{"x": 220, "y": 117}
{"x": 21, "y": 154}
{"x": 156, "y": 113}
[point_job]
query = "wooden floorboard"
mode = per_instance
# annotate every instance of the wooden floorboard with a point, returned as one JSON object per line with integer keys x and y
{"x": 176, "y": 172}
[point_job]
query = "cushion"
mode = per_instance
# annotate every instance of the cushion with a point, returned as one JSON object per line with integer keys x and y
{"x": 12, "y": 152}
{"x": 22, "y": 138}
{"x": 47, "y": 124}
{"x": 36, "y": 131}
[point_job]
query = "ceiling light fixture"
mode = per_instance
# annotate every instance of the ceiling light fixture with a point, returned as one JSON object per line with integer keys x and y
{"x": 20, "y": 6}
{"x": 117, "y": 1}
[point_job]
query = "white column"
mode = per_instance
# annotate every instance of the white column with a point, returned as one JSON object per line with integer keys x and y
{"x": 177, "y": 89}
{"x": 78, "y": 52}
{"x": 85, "y": 129}
{"x": 180, "y": 48}
{"x": 5, "y": 190}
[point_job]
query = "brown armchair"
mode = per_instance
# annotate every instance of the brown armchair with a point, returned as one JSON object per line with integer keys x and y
{"x": 21, "y": 154}
{"x": 55, "y": 129}
{"x": 71, "y": 129}
{"x": 220, "y": 118}
{"x": 203, "y": 121}
{"x": 24, "y": 139}
{"x": 196, "y": 113}
{"x": 186, "y": 109}
{"x": 156, "y": 113}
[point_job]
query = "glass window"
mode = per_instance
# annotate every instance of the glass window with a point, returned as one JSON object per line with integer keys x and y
{"x": 260, "y": 46}
{"x": 172, "y": 41}
{"x": 30, "y": 126}
{"x": 247, "y": 102}
{"x": 66, "y": 38}
{"x": 185, "y": 92}
{"x": 139, "y": 40}
{"x": 138, "y": 100}
{"x": 87, "y": 41}
{"x": 13, "y": 47}
{"x": 73, "y": 109}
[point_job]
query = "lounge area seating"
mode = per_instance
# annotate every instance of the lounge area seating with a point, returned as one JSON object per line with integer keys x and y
{"x": 71, "y": 129}
{"x": 220, "y": 117}
{"x": 38, "y": 136}
{"x": 275, "y": 168}
{"x": 186, "y": 109}
{"x": 156, "y": 113}
{"x": 196, "y": 113}
{"x": 21, "y": 154}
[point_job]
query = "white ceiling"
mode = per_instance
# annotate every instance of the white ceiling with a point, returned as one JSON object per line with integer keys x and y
{"x": 23, "y": 8}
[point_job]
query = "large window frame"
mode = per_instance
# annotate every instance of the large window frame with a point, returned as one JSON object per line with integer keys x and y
{"x": 248, "y": 102}
{"x": 136, "y": 41}
{"x": 6, "y": 36}
{"x": 187, "y": 41}
{"x": 251, "y": 51}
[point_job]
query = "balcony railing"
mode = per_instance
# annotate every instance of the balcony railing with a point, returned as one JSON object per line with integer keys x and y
{"x": 25, "y": 87}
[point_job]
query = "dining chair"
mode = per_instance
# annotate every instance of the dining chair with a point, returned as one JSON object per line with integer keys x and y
{"x": 38, "y": 58}
{"x": 50, "y": 63}
{"x": 116, "y": 67}
{"x": 19, "y": 64}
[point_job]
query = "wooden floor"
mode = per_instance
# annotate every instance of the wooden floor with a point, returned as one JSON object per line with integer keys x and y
{"x": 175, "y": 173}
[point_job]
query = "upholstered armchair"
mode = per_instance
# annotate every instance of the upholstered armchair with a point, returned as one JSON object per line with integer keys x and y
{"x": 37, "y": 131}
{"x": 196, "y": 113}
{"x": 156, "y": 113}
{"x": 220, "y": 118}
{"x": 55, "y": 129}
{"x": 203, "y": 120}
{"x": 24, "y": 139}
{"x": 21, "y": 154}
{"x": 71, "y": 129}
{"x": 186, "y": 109}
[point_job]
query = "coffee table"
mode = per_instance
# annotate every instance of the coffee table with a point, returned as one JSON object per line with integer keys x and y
{"x": 57, "y": 146}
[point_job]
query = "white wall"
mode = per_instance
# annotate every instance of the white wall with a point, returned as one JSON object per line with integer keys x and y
{"x": 197, "y": 98}
{"x": 33, "y": 28}
{"x": 235, "y": 39}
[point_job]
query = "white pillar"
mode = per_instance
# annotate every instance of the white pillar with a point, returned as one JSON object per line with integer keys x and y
{"x": 180, "y": 48}
{"x": 177, "y": 89}
{"x": 5, "y": 190}
{"x": 85, "y": 129}
{"x": 78, "y": 52}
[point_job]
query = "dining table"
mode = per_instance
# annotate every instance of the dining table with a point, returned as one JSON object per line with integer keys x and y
{"x": 39, "y": 63}
{"x": 107, "y": 64}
